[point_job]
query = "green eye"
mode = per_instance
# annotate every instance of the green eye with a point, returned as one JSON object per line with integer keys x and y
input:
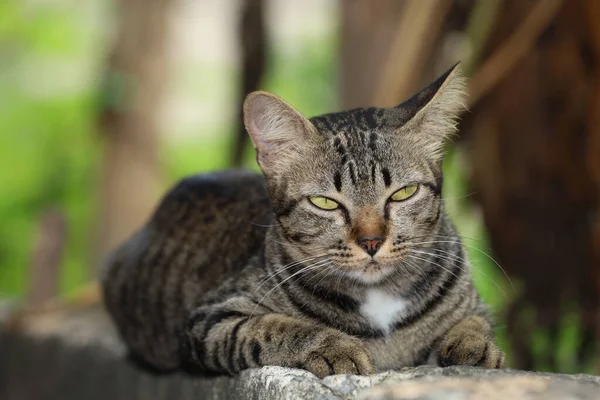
{"x": 405, "y": 193}
{"x": 323, "y": 202}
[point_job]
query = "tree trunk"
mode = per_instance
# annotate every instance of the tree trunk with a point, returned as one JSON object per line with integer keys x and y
{"x": 133, "y": 92}
{"x": 593, "y": 148}
{"x": 367, "y": 29}
{"x": 391, "y": 48}
{"x": 252, "y": 39}
{"x": 529, "y": 139}
{"x": 46, "y": 258}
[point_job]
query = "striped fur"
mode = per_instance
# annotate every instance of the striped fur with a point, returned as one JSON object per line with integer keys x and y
{"x": 235, "y": 271}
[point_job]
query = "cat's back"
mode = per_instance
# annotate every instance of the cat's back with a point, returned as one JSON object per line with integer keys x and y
{"x": 203, "y": 231}
{"x": 215, "y": 202}
{"x": 222, "y": 216}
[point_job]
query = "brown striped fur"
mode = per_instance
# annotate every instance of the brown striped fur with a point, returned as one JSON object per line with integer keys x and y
{"x": 235, "y": 271}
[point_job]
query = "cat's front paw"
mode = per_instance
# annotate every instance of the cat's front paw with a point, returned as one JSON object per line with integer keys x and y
{"x": 339, "y": 354}
{"x": 470, "y": 348}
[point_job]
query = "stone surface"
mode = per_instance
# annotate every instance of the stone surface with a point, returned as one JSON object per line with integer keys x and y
{"x": 505, "y": 385}
{"x": 78, "y": 355}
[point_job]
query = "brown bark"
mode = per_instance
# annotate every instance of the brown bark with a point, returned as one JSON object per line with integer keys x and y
{"x": 367, "y": 29}
{"x": 252, "y": 38}
{"x": 391, "y": 48}
{"x": 529, "y": 141}
{"x": 133, "y": 92}
{"x": 593, "y": 149}
{"x": 411, "y": 47}
{"x": 533, "y": 138}
{"x": 46, "y": 257}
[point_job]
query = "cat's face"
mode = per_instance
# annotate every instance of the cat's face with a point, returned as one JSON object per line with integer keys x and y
{"x": 352, "y": 190}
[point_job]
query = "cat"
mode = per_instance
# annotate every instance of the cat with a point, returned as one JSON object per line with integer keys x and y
{"x": 340, "y": 260}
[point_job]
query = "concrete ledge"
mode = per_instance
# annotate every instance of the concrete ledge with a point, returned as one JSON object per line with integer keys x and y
{"x": 77, "y": 355}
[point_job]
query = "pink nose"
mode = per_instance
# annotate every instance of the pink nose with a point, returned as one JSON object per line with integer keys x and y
{"x": 370, "y": 244}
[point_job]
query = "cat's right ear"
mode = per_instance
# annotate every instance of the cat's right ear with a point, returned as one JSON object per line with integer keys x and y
{"x": 277, "y": 130}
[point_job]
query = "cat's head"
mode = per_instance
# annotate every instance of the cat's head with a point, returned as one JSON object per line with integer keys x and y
{"x": 353, "y": 187}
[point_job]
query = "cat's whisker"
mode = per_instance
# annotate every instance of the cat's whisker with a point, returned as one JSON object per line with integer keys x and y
{"x": 295, "y": 263}
{"x": 434, "y": 263}
{"x": 284, "y": 268}
{"x": 330, "y": 269}
{"x": 458, "y": 197}
{"x": 457, "y": 236}
{"x": 311, "y": 267}
{"x": 388, "y": 278}
{"x": 443, "y": 255}
{"x": 453, "y": 258}
{"x": 263, "y": 226}
{"x": 471, "y": 247}
{"x": 339, "y": 281}
{"x": 477, "y": 269}
{"x": 322, "y": 268}
{"x": 415, "y": 268}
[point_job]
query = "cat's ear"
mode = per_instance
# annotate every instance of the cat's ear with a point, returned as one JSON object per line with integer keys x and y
{"x": 277, "y": 130}
{"x": 431, "y": 116}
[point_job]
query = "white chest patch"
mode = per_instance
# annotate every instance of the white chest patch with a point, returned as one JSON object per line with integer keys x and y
{"x": 382, "y": 309}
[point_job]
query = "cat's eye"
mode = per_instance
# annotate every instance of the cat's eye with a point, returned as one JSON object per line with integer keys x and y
{"x": 405, "y": 193}
{"x": 323, "y": 203}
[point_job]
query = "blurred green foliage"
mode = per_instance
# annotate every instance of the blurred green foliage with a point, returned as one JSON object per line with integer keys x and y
{"x": 50, "y": 148}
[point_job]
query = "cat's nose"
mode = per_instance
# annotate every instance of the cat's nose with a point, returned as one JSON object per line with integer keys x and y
{"x": 370, "y": 244}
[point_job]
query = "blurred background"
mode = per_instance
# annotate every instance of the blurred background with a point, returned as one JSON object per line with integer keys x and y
{"x": 104, "y": 104}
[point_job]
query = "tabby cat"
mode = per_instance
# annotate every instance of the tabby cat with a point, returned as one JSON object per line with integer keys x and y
{"x": 341, "y": 260}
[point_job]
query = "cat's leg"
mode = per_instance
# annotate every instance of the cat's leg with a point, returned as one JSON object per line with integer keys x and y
{"x": 225, "y": 340}
{"x": 470, "y": 342}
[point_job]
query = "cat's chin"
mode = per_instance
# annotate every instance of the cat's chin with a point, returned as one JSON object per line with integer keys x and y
{"x": 371, "y": 274}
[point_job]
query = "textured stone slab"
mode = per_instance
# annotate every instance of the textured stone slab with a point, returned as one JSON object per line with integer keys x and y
{"x": 78, "y": 355}
{"x": 470, "y": 385}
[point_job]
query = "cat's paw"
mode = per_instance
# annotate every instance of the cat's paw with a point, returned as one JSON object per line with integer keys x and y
{"x": 339, "y": 354}
{"x": 470, "y": 348}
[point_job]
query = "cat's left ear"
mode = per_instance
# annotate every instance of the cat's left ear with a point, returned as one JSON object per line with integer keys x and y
{"x": 431, "y": 116}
